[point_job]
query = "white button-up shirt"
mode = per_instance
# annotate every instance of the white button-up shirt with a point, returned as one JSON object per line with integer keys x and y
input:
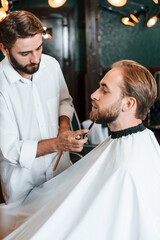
{"x": 29, "y": 112}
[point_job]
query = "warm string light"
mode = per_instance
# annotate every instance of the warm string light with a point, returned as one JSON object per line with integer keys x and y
{"x": 2, "y": 13}
{"x": 56, "y": 3}
{"x": 4, "y": 9}
{"x": 154, "y": 18}
{"x": 117, "y": 3}
{"x": 129, "y": 20}
{"x": 152, "y": 21}
{"x": 134, "y": 18}
{"x": 5, "y": 5}
{"x": 126, "y": 21}
{"x": 47, "y": 33}
{"x": 155, "y": 1}
{"x": 47, "y": 36}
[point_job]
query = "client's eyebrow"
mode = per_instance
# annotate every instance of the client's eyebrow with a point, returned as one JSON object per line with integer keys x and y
{"x": 104, "y": 85}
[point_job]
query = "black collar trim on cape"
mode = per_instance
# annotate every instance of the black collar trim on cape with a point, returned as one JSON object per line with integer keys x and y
{"x": 125, "y": 132}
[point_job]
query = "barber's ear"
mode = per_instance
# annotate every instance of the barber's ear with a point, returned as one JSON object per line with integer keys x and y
{"x": 4, "y": 49}
{"x": 128, "y": 104}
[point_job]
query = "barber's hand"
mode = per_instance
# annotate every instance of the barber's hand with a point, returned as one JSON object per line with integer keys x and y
{"x": 71, "y": 141}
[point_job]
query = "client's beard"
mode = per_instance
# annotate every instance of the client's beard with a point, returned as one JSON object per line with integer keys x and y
{"x": 101, "y": 119}
{"x": 107, "y": 115}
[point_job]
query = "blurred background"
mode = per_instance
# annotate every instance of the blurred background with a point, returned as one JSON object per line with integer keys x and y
{"x": 87, "y": 36}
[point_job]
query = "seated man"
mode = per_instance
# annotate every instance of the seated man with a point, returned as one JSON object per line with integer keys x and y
{"x": 113, "y": 192}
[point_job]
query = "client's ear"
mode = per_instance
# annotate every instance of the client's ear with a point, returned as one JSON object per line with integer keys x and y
{"x": 128, "y": 104}
{"x": 4, "y": 49}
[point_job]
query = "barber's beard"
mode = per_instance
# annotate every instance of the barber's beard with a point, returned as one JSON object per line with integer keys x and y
{"x": 28, "y": 69}
{"x": 106, "y": 115}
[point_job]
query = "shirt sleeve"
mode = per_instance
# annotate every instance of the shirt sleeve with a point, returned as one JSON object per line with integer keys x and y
{"x": 65, "y": 105}
{"x": 14, "y": 150}
{"x": 28, "y": 153}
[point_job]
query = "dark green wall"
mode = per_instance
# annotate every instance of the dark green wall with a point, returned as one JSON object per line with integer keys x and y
{"x": 117, "y": 41}
{"x": 78, "y": 7}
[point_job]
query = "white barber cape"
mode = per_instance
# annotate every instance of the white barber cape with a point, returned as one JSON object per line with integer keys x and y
{"x": 113, "y": 193}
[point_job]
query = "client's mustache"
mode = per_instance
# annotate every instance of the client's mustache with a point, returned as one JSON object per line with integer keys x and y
{"x": 94, "y": 104}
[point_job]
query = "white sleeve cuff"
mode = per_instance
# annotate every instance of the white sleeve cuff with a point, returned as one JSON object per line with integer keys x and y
{"x": 28, "y": 153}
{"x": 66, "y": 110}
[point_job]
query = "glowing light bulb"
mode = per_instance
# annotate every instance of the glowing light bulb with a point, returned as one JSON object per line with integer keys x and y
{"x": 134, "y": 18}
{"x": 5, "y": 5}
{"x": 47, "y": 36}
{"x": 117, "y": 3}
{"x": 125, "y": 21}
{"x": 2, "y": 13}
{"x": 152, "y": 21}
{"x": 56, "y": 3}
{"x": 156, "y": 1}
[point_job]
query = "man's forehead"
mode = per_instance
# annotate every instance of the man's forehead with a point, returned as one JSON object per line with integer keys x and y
{"x": 112, "y": 77}
{"x": 28, "y": 44}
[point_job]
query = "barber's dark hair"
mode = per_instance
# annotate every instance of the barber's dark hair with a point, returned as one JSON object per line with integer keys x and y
{"x": 139, "y": 83}
{"x": 19, "y": 24}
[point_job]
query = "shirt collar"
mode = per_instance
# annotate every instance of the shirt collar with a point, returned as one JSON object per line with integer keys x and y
{"x": 13, "y": 76}
{"x": 128, "y": 131}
